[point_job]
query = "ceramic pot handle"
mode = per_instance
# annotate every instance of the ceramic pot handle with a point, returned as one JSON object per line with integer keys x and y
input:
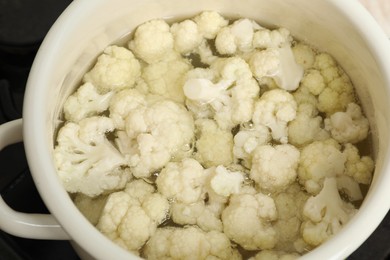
{"x": 27, "y": 225}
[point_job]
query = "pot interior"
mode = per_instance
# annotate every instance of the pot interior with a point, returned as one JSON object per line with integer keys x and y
{"x": 86, "y": 28}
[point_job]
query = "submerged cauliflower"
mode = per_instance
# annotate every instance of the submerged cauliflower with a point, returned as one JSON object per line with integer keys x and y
{"x": 212, "y": 138}
{"x": 131, "y": 216}
{"x": 115, "y": 69}
{"x": 326, "y": 213}
{"x": 247, "y": 221}
{"x": 156, "y": 132}
{"x": 275, "y": 168}
{"x": 84, "y": 156}
{"x": 275, "y": 109}
{"x": 189, "y": 243}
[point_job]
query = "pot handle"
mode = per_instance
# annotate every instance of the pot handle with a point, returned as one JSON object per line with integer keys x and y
{"x": 26, "y": 225}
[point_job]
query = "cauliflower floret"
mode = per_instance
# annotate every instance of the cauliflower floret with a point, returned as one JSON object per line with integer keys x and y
{"x": 339, "y": 91}
{"x": 131, "y": 216}
{"x": 230, "y": 100}
{"x": 115, "y": 69}
{"x": 85, "y": 159}
{"x": 152, "y": 41}
{"x": 274, "y": 255}
{"x": 186, "y": 36}
{"x": 122, "y": 103}
{"x": 189, "y": 243}
{"x": 279, "y": 64}
{"x": 246, "y": 140}
{"x": 304, "y": 55}
{"x": 265, "y": 39}
{"x": 307, "y": 126}
{"x": 225, "y": 182}
{"x": 246, "y": 221}
{"x": 199, "y": 213}
{"x": 319, "y": 160}
{"x": 210, "y": 23}
{"x": 313, "y": 81}
{"x": 275, "y": 109}
{"x": 214, "y": 145}
{"x": 348, "y": 186}
{"x": 326, "y": 214}
{"x": 157, "y": 133}
{"x": 360, "y": 168}
{"x": 204, "y": 90}
{"x": 350, "y": 126}
{"x": 182, "y": 181}
{"x": 166, "y": 77}
{"x": 264, "y": 63}
{"x": 220, "y": 184}
{"x": 289, "y": 205}
{"x": 236, "y": 37}
{"x": 86, "y": 102}
{"x": 274, "y": 167}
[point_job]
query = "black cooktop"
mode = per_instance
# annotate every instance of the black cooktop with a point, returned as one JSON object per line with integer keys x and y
{"x": 23, "y": 24}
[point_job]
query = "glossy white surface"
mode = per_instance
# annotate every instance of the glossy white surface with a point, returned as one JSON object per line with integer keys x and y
{"x": 380, "y": 9}
{"x": 343, "y": 28}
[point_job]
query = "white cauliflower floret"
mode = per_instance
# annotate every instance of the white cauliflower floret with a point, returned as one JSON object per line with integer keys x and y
{"x": 289, "y": 205}
{"x": 152, "y": 41}
{"x": 339, "y": 91}
{"x": 245, "y": 90}
{"x": 304, "y": 55}
{"x": 204, "y": 90}
{"x": 326, "y": 214}
{"x": 225, "y": 182}
{"x": 313, "y": 81}
{"x": 319, "y": 160}
{"x": 166, "y": 77}
{"x": 246, "y": 141}
{"x": 307, "y": 126}
{"x": 264, "y": 63}
{"x": 274, "y": 167}
{"x": 349, "y": 187}
{"x": 85, "y": 159}
{"x": 359, "y": 167}
{"x": 189, "y": 243}
{"x": 350, "y": 126}
{"x": 157, "y": 132}
{"x": 86, "y": 102}
{"x": 115, "y": 69}
{"x": 274, "y": 255}
{"x": 122, "y": 103}
{"x": 186, "y": 36}
{"x": 210, "y": 23}
{"x": 279, "y": 64}
{"x": 221, "y": 183}
{"x": 199, "y": 213}
{"x": 265, "y": 39}
{"x": 130, "y": 219}
{"x": 246, "y": 221}
{"x": 275, "y": 109}
{"x": 236, "y": 37}
{"x": 214, "y": 145}
{"x": 182, "y": 181}
{"x": 230, "y": 100}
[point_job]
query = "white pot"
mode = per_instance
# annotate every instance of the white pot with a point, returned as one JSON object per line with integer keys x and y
{"x": 342, "y": 28}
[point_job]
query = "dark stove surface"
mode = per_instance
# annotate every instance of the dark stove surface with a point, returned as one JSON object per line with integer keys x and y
{"x": 23, "y": 24}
